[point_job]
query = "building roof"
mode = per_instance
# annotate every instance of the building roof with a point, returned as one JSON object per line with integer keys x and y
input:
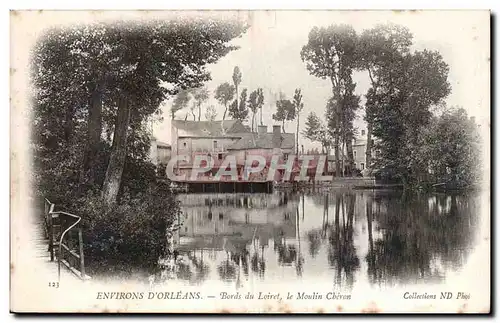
{"x": 254, "y": 140}
{"x": 162, "y": 144}
{"x": 217, "y": 128}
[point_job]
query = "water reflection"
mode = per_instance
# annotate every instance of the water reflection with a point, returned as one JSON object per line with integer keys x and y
{"x": 382, "y": 237}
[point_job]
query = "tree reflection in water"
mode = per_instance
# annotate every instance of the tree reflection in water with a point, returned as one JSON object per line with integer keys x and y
{"x": 422, "y": 236}
{"x": 258, "y": 263}
{"x": 192, "y": 268}
{"x": 227, "y": 270}
{"x": 341, "y": 250}
{"x": 314, "y": 238}
{"x": 400, "y": 237}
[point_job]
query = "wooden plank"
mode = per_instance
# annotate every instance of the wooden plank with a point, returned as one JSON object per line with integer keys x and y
{"x": 74, "y": 254}
{"x": 75, "y": 271}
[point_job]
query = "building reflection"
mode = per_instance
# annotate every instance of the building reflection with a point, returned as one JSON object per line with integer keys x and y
{"x": 240, "y": 226}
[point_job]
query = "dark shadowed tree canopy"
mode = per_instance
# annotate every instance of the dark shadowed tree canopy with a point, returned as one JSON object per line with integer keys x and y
{"x": 95, "y": 88}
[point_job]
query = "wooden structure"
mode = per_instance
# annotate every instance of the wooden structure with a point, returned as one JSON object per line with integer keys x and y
{"x": 65, "y": 240}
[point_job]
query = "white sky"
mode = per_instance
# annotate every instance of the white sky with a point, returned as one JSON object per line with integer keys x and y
{"x": 269, "y": 57}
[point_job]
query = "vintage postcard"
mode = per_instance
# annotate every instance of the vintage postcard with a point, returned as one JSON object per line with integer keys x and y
{"x": 250, "y": 161}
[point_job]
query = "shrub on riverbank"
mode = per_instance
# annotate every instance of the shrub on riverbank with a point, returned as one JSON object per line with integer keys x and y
{"x": 134, "y": 234}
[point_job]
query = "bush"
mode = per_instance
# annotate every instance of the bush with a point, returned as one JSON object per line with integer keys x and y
{"x": 133, "y": 235}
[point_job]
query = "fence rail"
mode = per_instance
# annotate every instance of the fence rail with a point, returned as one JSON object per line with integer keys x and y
{"x": 64, "y": 232}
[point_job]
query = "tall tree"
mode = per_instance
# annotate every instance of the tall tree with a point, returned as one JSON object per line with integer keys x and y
{"x": 253, "y": 105}
{"x": 407, "y": 90}
{"x": 225, "y": 94}
{"x": 239, "y": 112}
{"x": 285, "y": 111}
{"x": 450, "y": 150}
{"x": 211, "y": 113}
{"x": 116, "y": 163}
{"x": 377, "y": 49}
{"x": 298, "y": 106}
{"x": 260, "y": 102}
{"x": 181, "y": 101}
{"x": 316, "y": 131}
{"x": 200, "y": 96}
{"x": 350, "y": 104}
{"x": 331, "y": 54}
{"x": 236, "y": 81}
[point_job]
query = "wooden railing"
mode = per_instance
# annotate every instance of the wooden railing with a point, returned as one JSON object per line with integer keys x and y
{"x": 64, "y": 232}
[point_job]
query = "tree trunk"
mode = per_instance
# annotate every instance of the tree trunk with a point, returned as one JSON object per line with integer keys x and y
{"x": 283, "y": 125}
{"x": 253, "y": 117}
{"x": 297, "y": 135}
{"x": 199, "y": 111}
{"x": 261, "y": 122}
{"x": 338, "y": 114}
{"x": 337, "y": 157}
{"x": 237, "y": 97}
{"x": 118, "y": 153}
{"x": 350, "y": 154}
{"x": 94, "y": 130}
{"x": 369, "y": 144}
{"x": 225, "y": 111}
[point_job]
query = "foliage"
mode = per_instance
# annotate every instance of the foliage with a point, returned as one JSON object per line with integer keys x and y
{"x": 285, "y": 111}
{"x": 316, "y": 131}
{"x": 200, "y": 95}
{"x": 236, "y": 76}
{"x": 181, "y": 101}
{"x": 239, "y": 111}
{"x": 236, "y": 81}
{"x": 450, "y": 149}
{"x": 297, "y": 101}
{"x": 83, "y": 76}
{"x": 298, "y": 106}
{"x": 211, "y": 113}
{"x": 116, "y": 239}
{"x": 406, "y": 93}
{"x": 255, "y": 102}
{"x": 224, "y": 93}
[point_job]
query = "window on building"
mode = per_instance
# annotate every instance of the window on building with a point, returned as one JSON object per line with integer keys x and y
{"x": 285, "y": 156}
{"x": 219, "y": 156}
{"x": 185, "y": 145}
{"x": 362, "y": 166}
{"x": 355, "y": 153}
{"x": 362, "y": 132}
{"x": 215, "y": 144}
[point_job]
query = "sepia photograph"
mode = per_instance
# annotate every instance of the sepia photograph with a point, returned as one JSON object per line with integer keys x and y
{"x": 250, "y": 161}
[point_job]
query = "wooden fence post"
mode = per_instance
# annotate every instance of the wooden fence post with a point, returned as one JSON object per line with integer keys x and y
{"x": 51, "y": 237}
{"x": 82, "y": 262}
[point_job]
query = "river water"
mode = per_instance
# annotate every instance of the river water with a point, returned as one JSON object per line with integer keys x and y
{"x": 342, "y": 238}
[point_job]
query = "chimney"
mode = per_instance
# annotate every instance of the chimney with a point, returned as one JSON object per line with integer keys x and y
{"x": 277, "y": 136}
{"x": 262, "y": 129}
